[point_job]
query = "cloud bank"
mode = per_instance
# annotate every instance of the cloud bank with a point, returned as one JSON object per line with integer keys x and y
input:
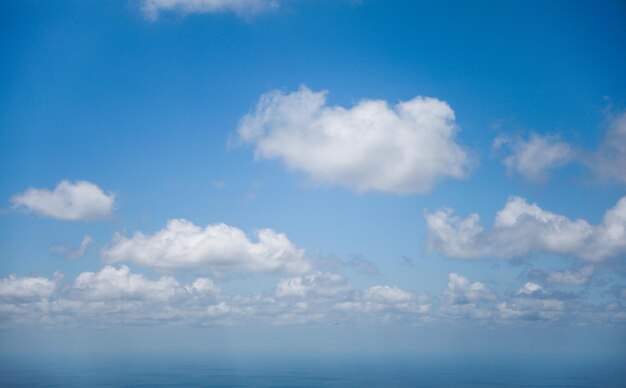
{"x": 405, "y": 148}
{"x": 521, "y": 229}
{"x": 118, "y": 296}
{"x": 181, "y": 244}
{"x": 69, "y": 201}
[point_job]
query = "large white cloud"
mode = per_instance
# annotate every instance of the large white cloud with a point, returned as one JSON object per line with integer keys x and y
{"x": 181, "y": 244}
{"x": 535, "y": 157}
{"x": 153, "y": 8}
{"x": 403, "y": 148}
{"x": 71, "y": 201}
{"x": 522, "y": 228}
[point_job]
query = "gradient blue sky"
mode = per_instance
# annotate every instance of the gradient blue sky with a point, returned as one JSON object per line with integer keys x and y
{"x": 151, "y": 106}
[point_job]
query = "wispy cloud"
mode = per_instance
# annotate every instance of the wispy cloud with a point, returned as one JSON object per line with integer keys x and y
{"x": 71, "y": 252}
{"x": 152, "y": 9}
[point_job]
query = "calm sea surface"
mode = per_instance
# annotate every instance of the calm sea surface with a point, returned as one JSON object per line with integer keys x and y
{"x": 311, "y": 372}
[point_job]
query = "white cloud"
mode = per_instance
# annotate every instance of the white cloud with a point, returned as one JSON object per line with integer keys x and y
{"x": 181, "y": 244}
{"x": 533, "y": 158}
{"x": 403, "y": 148}
{"x": 530, "y": 289}
{"x": 576, "y": 277}
{"x": 522, "y": 228}
{"x": 70, "y": 252}
{"x": 153, "y": 8}
{"x": 28, "y": 287}
{"x": 70, "y": 201}
{"x": 461, "y": 298}
{"x": 118, "y": 283}
{"x": 461, "y": 291}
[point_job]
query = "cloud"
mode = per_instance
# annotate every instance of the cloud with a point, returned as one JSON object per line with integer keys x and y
{"x": 533, "y": 158}
{"x": 118, "y": 296}
{"x": 405, "y": 148}
{"x": 181, "y": 244}
{"x": 362, "y": 265}
{"x": 244, "y": 8}
{"x": 70, "y": 252}
{"x": 35, "y": 287}
{"x": 112, "y": 283}
{"x": 609, "y": 160}
{"x": 69, "y": 201}
{"x": 461, "y": 298}
{"x": 317, "y": 284}
{"x": 461, "y": 291}
{"x": 575, "y": 277}
{"x": 521, "y": 229}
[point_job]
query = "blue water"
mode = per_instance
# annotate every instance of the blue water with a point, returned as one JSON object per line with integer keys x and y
{"x": 312, "y": 372}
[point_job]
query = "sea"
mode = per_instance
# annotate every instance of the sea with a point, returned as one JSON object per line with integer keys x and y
{"x": 302, "y": 371}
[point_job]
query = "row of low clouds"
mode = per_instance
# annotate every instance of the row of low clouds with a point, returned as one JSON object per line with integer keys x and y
{"x": 520, "y": 229}
{"x": 116, "y": 295}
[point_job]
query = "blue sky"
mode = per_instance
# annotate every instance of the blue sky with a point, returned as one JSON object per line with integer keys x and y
{"x": 288, "y": 164}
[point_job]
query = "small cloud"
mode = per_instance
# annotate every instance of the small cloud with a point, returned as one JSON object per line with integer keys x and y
{"x": 72, "y": 253}
{"x": 406, "y": 261}
{"x": 69, "y": 201}
{"x": 359, "y": 264}
{"x": 219, "y": 184}
{"x": 534, "y": 157}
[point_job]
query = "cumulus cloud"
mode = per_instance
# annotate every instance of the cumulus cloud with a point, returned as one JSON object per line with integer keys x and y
{"x": 118, "y": 283}
{"x": 181, "y": 244}
{"x": 71, "y": 252}
{"x": 34, "y": 287}
{"x": 464, "y": 298}
{"x": 69, "y": 201}
{"x": 534, "y": 157}
{"x": 521, "y": 229}
{"x": 245, "y": 8}
{"x": 404, "y": 148}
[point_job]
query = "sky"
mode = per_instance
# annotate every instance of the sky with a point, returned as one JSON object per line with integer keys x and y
{"x": 298, "y": 175}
